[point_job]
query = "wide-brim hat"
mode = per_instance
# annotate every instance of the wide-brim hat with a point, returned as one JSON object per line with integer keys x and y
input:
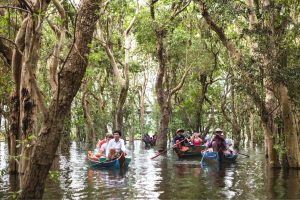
{"x": 218, "y": 130}
{"x": 179, "y": 130}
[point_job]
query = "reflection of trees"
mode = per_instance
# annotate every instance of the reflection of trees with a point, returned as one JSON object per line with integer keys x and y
{"x": 282, "y": 184}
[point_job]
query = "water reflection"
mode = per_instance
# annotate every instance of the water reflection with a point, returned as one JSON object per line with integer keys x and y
{"x": 165, "y": 177}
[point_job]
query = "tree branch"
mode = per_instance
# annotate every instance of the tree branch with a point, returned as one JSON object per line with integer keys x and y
{"x": 111, "y": 58}
{"x": 5, "y": 50}
{"x": 16, "y": 8}
{"x": 177, "y": 12}
{"x": 25, "y": 3}
{"x": 174, "y": 90}
{"x": 60, "y": 34}
{"x": 223, "y": 102}
{"x": 126, "y": 32}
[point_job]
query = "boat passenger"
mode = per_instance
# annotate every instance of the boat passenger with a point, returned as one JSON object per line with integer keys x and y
{"x": 179, "y": 136}
{"x": 153, "y": 139}
{"x": 115, "y": 147}
{"x": 218, "y": 141}
{"x": 102, "y": 150}
{"x": 147, "y": 140}
{"x": 196, "y": 140}
{"x": 100, "y": 143}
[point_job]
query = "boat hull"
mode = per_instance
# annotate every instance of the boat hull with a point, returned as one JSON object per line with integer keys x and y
{"x": 212, "y": 156}
{"x": 121, "y": 162}
{"x": 192, "y": 151}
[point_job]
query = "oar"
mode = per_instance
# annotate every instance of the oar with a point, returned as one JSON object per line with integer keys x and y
{"x": 166, "y": 150}
{"x": 243, "y": 154}
{"x": 204, "y": 154}
{"x": 97, "y": 163}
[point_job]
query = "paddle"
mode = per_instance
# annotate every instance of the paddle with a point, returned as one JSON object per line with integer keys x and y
{"x": 166, "y": 150}
{"x": 243, "y": 154}
{"x": 122, "y": 159}
{"x": 204, "y": 154}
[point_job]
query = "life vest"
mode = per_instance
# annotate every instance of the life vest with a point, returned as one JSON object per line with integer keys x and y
{"x": 197, "y": 141}
{"x": 99, "y": 144}
{"x": 92, "y": 157}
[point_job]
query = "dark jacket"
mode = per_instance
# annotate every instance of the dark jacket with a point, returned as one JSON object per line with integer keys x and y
{"x": 179, "y": 137}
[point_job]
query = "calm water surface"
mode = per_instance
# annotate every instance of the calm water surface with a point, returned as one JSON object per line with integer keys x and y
{"x": 165, "y": 177}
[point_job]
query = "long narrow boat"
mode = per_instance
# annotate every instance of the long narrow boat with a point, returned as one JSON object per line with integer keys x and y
{"x": 120, "y": 162}
{"x": 189, "y": 151}
{"x": 229, "y": 158}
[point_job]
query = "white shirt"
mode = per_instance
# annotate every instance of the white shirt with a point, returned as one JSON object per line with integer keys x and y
{"x": 117, "y": 145}
{"x": 103, "y": 148}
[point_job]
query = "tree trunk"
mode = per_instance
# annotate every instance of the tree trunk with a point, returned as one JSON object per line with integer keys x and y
{"x": 120, "y": 105}
{"x": 162, "y": 138}
{"x": 236, "y": 128}
{"x": 70, "y": 78}
{"x": 163, "y": 92}
{"x": 289, "y": 129}
{"x": 200, "y": 103}
{"x": 142, "y": 105}
{"x": 251, "y": 129}
{"x": 14, "y": 134}
{"x": 65, "y": 142}
{"x": 90, "y": 131}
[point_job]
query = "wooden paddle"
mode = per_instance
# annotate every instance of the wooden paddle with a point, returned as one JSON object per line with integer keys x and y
{"x": 166, "y": 149}
{"x": 122, "y": 160}
{"x": 243, "y": 154}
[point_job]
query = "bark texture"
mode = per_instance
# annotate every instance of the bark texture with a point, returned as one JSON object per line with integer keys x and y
{"x": 69, "y": 81}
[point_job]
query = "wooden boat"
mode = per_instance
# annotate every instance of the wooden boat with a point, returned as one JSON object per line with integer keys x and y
{"x": 189, "y": 151}
{"x": 208, "y": 155}
{"x": 120, "y": 162}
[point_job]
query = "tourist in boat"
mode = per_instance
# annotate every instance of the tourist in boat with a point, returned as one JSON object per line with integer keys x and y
{"x": 115, "y": 147}
{"x": 179, "y": 137}
{"x": 100, "y": 143}
{"x": 181, "y": 141}
{"x": 153, "y": 139}
{"x": 196, "y": 140}
{"x": 103, "y": 148}
{"x": 147, "y": 140}
{"x": 218, "y": 141}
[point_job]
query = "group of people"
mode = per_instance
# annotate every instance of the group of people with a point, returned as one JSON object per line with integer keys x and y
{"x": 181, "y": 138}
{"x": 148, "y": 140}
{"x": 217, "y": 143}
{"x": 111, "y": 147}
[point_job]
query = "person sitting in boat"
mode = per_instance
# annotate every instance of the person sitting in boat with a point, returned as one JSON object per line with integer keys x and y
{"x": 153, "y": 139}
{"x": 147, "y": 140}
{"x": 115, "y": 147}
{"x": 180, "y": 140}
{"x": 100, "y": 143}
{"x": 196, "y": 140}
{"x": 102, "y": 150}
{"x": 218, "y": 141}
{"x": 179, "y": 136}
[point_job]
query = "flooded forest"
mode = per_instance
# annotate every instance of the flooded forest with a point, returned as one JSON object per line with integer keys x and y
{"x": 149, "y": 99}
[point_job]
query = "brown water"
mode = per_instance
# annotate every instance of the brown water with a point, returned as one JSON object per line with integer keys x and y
{"x": 165, "y": 177}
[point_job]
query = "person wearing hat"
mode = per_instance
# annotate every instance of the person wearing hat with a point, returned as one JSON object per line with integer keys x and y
{"x": 179, "y": 137}
{"x": 218, "y": 142}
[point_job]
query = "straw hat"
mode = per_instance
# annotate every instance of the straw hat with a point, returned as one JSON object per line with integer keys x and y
{"x": 218, "y": 130}
{"x": 179, "y": 130}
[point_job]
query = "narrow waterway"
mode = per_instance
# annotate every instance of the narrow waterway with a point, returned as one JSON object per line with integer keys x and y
{"x": 165, "y": 177}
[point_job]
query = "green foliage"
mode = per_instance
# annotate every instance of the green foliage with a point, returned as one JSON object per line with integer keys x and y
{"x": 54, "y": 175}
